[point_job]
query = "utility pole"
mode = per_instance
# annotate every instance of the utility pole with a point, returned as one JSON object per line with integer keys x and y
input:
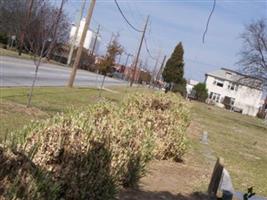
{"x": 127, "y": 58}
{"x": 94, "y": 45}
{"x": 156, "y": 64}
{"x": 120, "y": 58}
{"x": 161, "y": 68}
{"x": 78, "y": 22}
{"x": 80, "y": 48}
{"x": 24, "y": 28}
{"x": 139, "y": 50}
{"x": 155, "y": 68}
{"x": 55, "y": 27}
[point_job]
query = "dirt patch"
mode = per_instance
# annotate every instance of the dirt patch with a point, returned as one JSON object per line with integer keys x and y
{"x": 7, "y": 107}
{"x": 171, "y": 180}
{"x": 194, "y": 130}
{"x": 168, "y": 180}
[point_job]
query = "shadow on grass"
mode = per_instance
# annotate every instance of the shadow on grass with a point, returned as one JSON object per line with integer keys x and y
{"x": 164, "y": 195}
{"x": 42, "y": 93}
{"x": 65, "y": 174}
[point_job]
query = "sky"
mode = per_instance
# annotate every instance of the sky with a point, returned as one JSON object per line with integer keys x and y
{"x": 174, "y": 21}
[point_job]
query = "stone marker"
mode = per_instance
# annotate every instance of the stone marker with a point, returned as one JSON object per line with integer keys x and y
{"x": 204, "y": 138}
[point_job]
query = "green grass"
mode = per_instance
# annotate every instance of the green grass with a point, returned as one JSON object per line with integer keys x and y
{"x": 14, "y": 53}
{"x": 46, "y": 102}
{"x": 240, "y": 140}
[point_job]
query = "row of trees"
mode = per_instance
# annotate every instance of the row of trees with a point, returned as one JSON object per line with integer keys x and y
{"x": 39, "y": 28}
{"x": 42, "y": 28}
{"x": 35, "y": 23}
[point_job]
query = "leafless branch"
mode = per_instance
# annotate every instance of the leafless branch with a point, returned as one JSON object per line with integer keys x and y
{"x": 253, "y": 55}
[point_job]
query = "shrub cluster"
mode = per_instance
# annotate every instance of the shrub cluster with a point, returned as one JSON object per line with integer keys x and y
{"x": 91, "y": 153}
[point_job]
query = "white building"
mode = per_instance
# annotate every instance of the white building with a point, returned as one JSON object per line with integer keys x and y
{"x": 234, "y": 91}
{"x": 189, "y": 87}
{"x": 89, "y": 39}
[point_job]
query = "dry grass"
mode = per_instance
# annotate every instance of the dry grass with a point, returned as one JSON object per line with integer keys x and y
{"x": 241, "y": 140}
{"x": 46, "y": 102}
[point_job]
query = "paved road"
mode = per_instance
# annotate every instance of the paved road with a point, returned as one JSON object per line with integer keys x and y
{"x": 18, "y": 72}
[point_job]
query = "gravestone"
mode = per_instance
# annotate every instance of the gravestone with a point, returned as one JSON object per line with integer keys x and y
{"x": 204, "y": 138}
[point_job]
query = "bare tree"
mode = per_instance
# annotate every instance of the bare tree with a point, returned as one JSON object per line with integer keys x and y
{"x": 12, "y": 14}
{"x": 38, "y": 40}
{"x": 253, "y": 56}
{"x": 105, "y": 66}
{"x": 25, "y": 25}
{"x": 39, "y": 31}
{"x": 12, "y": 20}
{"x": 55, "y": 28}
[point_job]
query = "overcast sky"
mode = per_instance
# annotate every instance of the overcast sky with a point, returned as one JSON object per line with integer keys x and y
{"x": 172, "y": 21}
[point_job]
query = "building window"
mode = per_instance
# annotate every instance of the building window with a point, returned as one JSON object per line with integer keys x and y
{"x": 215, "y": 97}
{"x": 232, "y": 86}
{"x": 232, "y": 101}
{"x": 217, "y": 82}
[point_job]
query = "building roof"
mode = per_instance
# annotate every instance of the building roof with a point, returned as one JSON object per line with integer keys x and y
{"x": 236, "y": 77}
{"x": 192, "y": 82}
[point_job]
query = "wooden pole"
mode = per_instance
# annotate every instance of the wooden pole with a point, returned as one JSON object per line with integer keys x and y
{"x": 138, "y": 53}
{"x": 161, "y": 68}
{"x": 55, "y": 27}
{"x": 78, "y": 22}
{"x": 80, "y": 49}
{"x": 94, "y": 45}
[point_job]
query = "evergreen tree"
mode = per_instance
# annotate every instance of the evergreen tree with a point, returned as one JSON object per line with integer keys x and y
{"x": 174, "y": 70}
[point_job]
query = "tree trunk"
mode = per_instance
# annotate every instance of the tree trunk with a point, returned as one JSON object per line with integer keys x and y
{"x": 33, "y": 83}
{"x": 102, "y": 84}
{"x": 54, "y": 36}
{"x": 37, "y": 64}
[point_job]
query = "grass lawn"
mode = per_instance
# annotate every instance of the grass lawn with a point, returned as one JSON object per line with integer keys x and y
{"x": 14, "y": 53}
{"x": 46, "y": 102}
{"x": 240, "y": 140}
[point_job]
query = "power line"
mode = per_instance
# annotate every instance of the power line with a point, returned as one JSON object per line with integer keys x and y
{"x": 126, "y": 18}
{"x": 131, "y": 12}
{"x": 148, "y": 51}
{"x": 138, "y": 52}
{"x": 208, "y": 21}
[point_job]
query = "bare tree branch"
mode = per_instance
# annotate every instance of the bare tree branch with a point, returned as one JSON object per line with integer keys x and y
{"x": 253, "y": 56}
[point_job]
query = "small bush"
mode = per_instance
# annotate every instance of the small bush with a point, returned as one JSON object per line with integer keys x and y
{"x": 20, "y": 178}
{"x": 90, "y": 154}
{"x": 201, "y": 92}
{"x": 3, "y": 38}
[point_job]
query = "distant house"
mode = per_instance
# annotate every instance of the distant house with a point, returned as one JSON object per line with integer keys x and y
{"x": 189, "y": 88}
{"x": 234, "y": 91}
{"x": 141, "y": 75}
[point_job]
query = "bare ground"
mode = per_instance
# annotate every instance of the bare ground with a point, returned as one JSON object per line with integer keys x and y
{"x": 170, "y": 180}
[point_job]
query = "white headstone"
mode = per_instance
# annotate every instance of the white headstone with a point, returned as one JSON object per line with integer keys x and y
{"x": 204, "y": 139}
